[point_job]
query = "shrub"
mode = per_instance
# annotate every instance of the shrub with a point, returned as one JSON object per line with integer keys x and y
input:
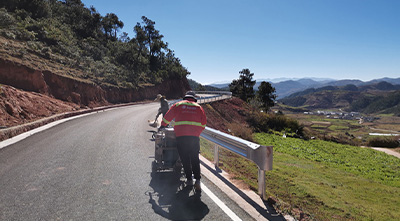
{"x": 6, "y": 20}
{"x": 264, "y": 122}
{"x": 381, "y": 141}
{"x": 239, "y": 131}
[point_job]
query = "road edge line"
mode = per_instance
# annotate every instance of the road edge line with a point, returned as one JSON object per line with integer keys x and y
{"x": 232, "y": 194}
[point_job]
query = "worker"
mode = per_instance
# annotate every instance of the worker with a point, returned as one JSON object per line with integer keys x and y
{"x": 164, "y": 106}
{"x": 190, "y": 121}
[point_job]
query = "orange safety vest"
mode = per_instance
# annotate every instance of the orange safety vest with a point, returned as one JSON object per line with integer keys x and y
{"x": 190, "y": 119}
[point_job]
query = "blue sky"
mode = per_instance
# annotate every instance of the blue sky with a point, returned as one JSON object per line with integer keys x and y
{"x": 215, "y": 39}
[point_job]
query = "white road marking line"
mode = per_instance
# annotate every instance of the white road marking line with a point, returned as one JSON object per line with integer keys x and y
{"x": 222, "y": 205}
{"x": 22, "y": 136}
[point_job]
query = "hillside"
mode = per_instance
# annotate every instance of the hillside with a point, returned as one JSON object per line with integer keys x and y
{"x": 60, "y": 56}
{"x": 381, "y": 97}
{"x": 77, "y": 37}
{"x": 194, "y": 85}
{"x": 64, "y": 56}
{"x": 72, "y": 47}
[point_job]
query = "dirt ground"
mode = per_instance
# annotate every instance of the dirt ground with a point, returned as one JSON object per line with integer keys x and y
{"x": 222, "y": 114}
{"x": 18, "y": 107}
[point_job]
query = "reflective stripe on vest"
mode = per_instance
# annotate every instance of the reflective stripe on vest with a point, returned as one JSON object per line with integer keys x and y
{"x": 189, "y": 123}
{"x": 187, "y": 103}
{"x": 165, "y": 121}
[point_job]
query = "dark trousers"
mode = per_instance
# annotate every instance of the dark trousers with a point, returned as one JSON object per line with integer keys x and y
{"x": 188, "y": 149}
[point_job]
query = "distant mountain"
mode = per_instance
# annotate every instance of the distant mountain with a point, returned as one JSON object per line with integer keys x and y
{"x": 389, "y": 80}
{"x": 221, "y": 85}
{"x": 381, "y": 97}
{"x": 342, "y": 83}
{"x": 194, "y": 85}
{"x": 277, "y": 80}
{"x": 285, "y": 86}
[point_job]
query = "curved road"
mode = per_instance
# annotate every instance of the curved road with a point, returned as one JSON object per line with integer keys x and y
{"x": 98, "y": 167}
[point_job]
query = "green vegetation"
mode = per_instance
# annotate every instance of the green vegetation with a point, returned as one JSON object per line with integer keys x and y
{"x": 199, "y": 87}
{"x": 324, "y": 180}
{"x": 379, "y": 141}
{"x": 68, "y": 33}
{"x": 266, "y": 95}
{"x": 243, "y": 88}
{"x": 348, "y": 131}
{"x": 360, "y": 161}
{"x": 263, "y": 122}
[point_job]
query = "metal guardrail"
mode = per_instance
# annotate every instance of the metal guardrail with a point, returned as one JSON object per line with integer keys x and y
{"x": 210, "y": 96}
{"x": 207, "y": 96}
{"x": 213, "y": 92}
{"x": 262, "y": 156}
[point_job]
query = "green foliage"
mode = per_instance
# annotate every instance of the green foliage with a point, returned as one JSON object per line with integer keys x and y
{"x": 239, "y": 131}
{"x": 377, "y": 103}
{"x": 111, "y": 24}
{"x": 264, "y": 122}
{"x": 266, "y": 94}
{"x": 199, "y": 87}
{"x": 323, "y": 180}
{"x": 80, "y": 37}
{"x": 382, "y": 141}
{"x": 6, "y": 20}
{"x": 364, "y": 162}
{"x": 350, "y": 87}
{"x": 243, "y": 87}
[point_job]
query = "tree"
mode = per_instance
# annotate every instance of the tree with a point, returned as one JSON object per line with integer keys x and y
{"x": 149, "y": 37}
{"x": 111, "y": 25}
{"x": 154, "y": 38}
{"x": 243, "y": 87}
{"x": 154, "y": 51}
{"x": 266, "y": 95}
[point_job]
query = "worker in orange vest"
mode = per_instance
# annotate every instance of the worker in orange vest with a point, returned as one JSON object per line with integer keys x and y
{"x": 190, "y": 121}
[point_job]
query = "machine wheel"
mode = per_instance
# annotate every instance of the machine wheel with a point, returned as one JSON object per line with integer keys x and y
{"x": 153, "y": 166}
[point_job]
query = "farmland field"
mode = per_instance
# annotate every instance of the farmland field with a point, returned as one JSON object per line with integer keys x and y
{"x": 350, "y": 131}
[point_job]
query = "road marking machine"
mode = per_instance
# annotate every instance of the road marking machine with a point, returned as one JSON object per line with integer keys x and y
{"x": 166, "y": 152}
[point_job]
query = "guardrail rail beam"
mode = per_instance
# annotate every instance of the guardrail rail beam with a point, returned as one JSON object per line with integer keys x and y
{"x": 262, "y": 156}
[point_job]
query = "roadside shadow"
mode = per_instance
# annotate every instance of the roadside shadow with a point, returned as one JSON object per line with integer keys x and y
{"x": 171, "y": 200}
{"x": 268, "y": 212}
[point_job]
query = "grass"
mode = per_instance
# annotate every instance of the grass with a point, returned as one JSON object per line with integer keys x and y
{"x": 339, "y": 127}
{"x": 323, "y": 180}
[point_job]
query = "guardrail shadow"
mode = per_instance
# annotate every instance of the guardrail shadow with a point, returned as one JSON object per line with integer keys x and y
{"x": 171, "y": 200}
{"x": 268, "y": 213}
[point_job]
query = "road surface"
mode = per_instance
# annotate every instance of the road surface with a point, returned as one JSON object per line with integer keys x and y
{"x": 98, "y": 167}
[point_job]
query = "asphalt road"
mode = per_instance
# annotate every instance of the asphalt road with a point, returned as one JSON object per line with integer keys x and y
{"x": 98, "y": 167}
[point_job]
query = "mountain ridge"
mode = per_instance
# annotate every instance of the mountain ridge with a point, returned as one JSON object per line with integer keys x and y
{"x": 293, "y": 85}
{"x": 377, "y": 98}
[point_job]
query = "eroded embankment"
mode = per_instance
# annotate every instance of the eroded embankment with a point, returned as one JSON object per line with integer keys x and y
{"x": 29, "y": 94}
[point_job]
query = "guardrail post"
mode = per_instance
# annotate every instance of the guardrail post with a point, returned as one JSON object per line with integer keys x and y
{"x": 216, "y": 155}
{"x": 262, "y": 184}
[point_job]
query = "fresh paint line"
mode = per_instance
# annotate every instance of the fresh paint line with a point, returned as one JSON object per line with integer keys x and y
{"x": 222, "y": 205}
{"x": 22, "y": 136}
